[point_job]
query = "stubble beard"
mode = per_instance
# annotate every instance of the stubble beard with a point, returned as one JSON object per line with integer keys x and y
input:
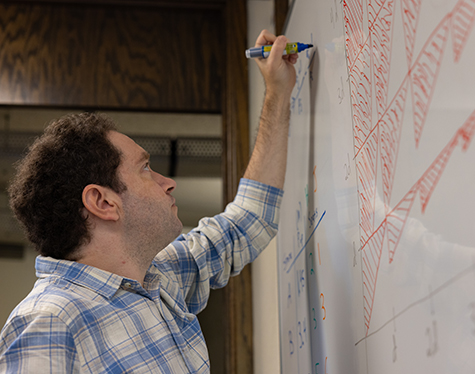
{"x": 149, "y": 227}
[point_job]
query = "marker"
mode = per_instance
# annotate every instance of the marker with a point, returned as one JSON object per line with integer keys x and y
{"x": 264, "y": 51}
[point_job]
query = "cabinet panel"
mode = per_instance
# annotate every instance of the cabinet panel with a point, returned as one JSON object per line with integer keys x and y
{"x": 102, "y": 56}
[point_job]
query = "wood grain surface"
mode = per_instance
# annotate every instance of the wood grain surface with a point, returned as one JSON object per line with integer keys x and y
{"x": 111, "y": 57}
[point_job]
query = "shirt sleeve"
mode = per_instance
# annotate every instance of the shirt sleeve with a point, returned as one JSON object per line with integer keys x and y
{"x": 222, "y": 245}
{"x": 37, "y": 344}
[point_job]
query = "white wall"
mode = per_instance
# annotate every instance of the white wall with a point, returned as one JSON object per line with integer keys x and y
{"x": 264, "y": 269}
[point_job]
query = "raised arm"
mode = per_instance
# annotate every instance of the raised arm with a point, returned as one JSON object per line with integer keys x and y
{"x": 269, "y": 157}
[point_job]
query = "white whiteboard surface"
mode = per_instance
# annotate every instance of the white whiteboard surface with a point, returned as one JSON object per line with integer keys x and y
{"x": 376, "y": 246}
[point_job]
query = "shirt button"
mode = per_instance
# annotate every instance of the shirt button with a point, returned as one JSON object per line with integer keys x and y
{"x": 127, "y": 285}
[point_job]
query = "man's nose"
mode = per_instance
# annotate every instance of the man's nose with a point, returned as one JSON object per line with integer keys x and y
{"x": 167, "y": 184}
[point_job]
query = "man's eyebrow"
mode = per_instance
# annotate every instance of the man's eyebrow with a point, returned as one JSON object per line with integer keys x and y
{"x": 144, "y": 157}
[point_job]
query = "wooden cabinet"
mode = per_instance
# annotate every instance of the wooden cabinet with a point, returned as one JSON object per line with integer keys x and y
{"x": 98, "y": 55}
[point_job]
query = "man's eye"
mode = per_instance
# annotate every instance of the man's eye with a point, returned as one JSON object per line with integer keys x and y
{"x": 147, "y": 167}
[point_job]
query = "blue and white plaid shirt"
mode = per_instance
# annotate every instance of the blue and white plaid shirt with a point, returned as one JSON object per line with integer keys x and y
{"x": 80, "y": 319}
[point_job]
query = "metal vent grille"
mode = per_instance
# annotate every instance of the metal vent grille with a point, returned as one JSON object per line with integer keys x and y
{"x": 154, "y": 146}
{"x": 16, "y": 143}
{"x": 199, "y": 148}
{"x": 185, "y": 147}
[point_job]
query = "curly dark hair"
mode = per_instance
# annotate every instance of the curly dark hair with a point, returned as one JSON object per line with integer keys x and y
{"x": 46, "y": 192}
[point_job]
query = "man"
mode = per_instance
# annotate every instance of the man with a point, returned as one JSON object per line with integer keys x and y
{"x": 116, "y": 292}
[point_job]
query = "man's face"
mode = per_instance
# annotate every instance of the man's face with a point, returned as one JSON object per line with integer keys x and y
{"x": 149, "y": 210}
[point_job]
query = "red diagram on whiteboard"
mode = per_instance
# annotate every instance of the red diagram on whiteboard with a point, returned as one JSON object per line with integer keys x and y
{"x": 369, "y": 50}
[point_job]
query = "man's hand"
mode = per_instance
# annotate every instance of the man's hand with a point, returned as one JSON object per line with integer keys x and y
{"x": 277, "y": 70}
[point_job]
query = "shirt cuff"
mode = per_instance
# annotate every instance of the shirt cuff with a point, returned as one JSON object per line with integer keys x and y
{"x": 261, "y": 199}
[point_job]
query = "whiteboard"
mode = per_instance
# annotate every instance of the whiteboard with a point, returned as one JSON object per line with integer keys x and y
{"x": 376, "y": 246}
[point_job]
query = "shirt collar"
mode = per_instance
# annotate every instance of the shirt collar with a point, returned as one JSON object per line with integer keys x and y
{"x": 100, "y": 281}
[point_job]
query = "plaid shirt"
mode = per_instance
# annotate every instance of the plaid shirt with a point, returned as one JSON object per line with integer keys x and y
{"x": 80, "y": 319}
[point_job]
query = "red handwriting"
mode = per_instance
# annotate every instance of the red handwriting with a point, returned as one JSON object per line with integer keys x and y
{"x": 377, "y": 135}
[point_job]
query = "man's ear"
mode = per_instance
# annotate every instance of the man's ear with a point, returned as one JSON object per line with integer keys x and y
{"x": 102, "y": 202}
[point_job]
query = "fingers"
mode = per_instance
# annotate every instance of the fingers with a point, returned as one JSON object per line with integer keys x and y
{"x": 265, "y": 38}
{"x": 293, "y": 58}
{"x": 278, "y": 49}
{"x": 278, "y": 45}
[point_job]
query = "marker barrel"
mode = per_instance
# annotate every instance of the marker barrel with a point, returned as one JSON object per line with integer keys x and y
{"x": 264, "y": 51}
